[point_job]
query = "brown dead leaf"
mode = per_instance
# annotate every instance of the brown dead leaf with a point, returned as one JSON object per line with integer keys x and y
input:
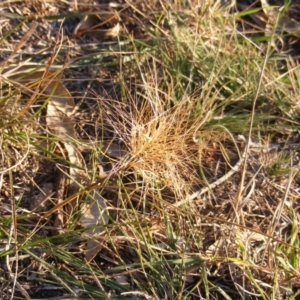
{"x": 93, "y": 214}
{"x": 93, "y": 25}
{"x": 93, "y": 247}
{"x": 38, "y": 201}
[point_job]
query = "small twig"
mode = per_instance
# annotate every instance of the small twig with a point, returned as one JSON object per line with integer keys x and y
{"x": 215, "y": 183}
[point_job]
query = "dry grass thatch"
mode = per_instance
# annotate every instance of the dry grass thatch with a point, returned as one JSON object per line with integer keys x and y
{"x": 149, "y": 150}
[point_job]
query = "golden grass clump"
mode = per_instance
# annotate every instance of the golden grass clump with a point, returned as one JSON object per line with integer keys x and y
{"x": 162, "y": 143}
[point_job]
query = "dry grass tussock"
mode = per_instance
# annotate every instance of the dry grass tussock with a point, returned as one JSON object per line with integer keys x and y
{"x": 162, "y": 142}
